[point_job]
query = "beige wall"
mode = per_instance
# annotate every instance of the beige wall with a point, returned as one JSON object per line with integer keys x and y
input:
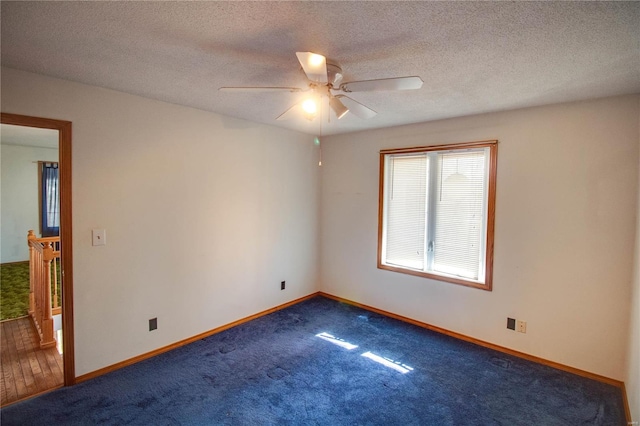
{"x": 205, "y": 215}
{"x": 632, "y": 380}
{"x": 19, "y": 197}
{"x": 230, "y": 208}
{"x": 565, "y": 224}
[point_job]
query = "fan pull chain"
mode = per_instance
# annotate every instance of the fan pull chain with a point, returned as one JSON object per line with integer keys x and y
{"x": 317, "y": 139}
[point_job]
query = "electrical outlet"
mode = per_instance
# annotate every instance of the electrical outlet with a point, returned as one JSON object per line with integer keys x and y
{"x": 511, "y": 323}
{"x": 153, "y": 324}
{"x": 282, "y": 285}
{"x": 522, "y": 326}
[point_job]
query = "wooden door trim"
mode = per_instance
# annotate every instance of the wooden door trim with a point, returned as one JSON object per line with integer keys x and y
{"x": 64, "y": 159}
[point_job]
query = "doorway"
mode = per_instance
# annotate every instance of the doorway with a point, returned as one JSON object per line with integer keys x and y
{"x": 63, "y": 129}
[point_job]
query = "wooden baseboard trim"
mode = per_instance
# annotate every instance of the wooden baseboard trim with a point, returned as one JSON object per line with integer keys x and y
{"x": 625, "y": 400}
{"x": 24, "y": 398}
{"x": 16, "y": 318}
{"x": 192, "y": 339}
{"x": 14, "y": 263}
{"x": 493, "y": 346}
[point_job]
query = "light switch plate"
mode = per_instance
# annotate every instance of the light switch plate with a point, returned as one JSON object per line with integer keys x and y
{"x": 99, "y": 237}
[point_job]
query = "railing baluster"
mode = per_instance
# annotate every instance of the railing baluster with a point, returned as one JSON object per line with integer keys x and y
{"x": 47, "y": 318}
{"x": 32, "y": 276}
{"x": 42, "y": 251}
{"x": 55, "y": 283}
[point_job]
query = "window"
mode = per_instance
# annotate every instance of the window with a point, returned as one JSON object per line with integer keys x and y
{"x": 436, "y": 212}
{"x": 49, "y": 199}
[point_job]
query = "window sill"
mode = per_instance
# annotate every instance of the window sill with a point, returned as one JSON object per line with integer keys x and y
{"x": 460, "y": 281}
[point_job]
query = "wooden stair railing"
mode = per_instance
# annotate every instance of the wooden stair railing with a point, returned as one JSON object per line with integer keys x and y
{"x": 43, "y": 253}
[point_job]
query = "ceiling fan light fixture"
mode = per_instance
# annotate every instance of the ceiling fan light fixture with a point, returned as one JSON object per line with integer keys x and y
{"x": 338, "y": 107}
{"x": 309, "y": 106}
{"x": 310, "y": 109}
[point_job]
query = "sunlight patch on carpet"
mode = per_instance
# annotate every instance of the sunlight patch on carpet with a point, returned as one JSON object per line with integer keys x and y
{"x": 336, "y": 341}
{"x": 388, "y": 362}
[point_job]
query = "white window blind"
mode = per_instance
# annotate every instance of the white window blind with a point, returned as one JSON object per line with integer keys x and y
{"x": 406, "y": 209}
{"x": 435, "y": 212}
{"x": 460, "y": 214}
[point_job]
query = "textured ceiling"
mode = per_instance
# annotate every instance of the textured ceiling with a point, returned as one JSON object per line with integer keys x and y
{"x": 474, "y": 57}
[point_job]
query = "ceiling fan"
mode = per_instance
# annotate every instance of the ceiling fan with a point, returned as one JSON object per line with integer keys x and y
{"x": 325, "y": 82}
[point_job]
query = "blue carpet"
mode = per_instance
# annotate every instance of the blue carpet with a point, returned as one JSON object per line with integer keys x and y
{"x": 280, "y": 369}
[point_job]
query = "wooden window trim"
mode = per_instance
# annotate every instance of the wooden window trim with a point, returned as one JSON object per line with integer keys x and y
{"x": 491, "y": 210}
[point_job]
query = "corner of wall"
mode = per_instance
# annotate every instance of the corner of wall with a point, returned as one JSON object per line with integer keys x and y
{"x": 632, "y": 382}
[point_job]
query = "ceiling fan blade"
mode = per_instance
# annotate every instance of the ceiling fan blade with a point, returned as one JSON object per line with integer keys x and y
{"x": 314, "y": 66}
{"x": 260, "y": 89}
{"x": 356, "y": 107}
{"x": 290, "y": 113}
{"x": 398, "y": 83}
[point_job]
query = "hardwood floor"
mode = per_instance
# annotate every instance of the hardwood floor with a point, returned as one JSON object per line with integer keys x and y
{"x": 26, "y": 370}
